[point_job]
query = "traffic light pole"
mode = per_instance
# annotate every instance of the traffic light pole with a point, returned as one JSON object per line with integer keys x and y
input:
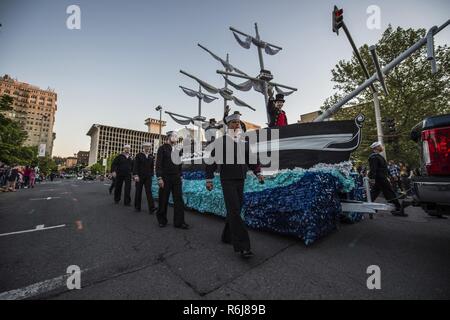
{"x": 333, "y": 109}
{"x": 376, "y": 101}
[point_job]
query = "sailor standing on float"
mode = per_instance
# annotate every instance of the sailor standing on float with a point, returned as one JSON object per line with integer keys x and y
{"x": 232, "y": 178}
{"x": 276, "y": 114}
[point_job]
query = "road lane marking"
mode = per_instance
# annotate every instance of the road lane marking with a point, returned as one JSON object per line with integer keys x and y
{"x": 39, "y": 287}
{"x": 48, "y": 198}
{"x": 40, "y": 227}
{"x": 34, "y": 289}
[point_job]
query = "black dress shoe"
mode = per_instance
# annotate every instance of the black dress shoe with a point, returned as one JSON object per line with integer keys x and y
{"x": 246, "y": 254}
{"x": 184, "y": 226}
{"x": 398, "y": 213}
{"x": 162, "y": 225}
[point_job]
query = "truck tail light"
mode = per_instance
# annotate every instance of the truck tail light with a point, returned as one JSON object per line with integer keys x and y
{"x": 436, "y": 150}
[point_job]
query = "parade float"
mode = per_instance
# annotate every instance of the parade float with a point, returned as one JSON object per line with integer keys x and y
{"x": 314, "y": 187}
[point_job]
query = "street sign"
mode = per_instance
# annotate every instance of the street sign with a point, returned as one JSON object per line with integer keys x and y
{"x": 42, "y": 147}
{"x": 104, "y": 162}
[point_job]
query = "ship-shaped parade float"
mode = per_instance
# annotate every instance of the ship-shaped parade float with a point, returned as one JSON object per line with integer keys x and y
{"x": 313, "y": 187}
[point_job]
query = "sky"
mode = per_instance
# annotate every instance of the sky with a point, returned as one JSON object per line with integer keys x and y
{"x": 125, "y": 59}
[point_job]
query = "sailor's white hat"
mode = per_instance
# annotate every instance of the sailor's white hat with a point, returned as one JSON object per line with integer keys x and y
{"x": 233, "y": 117}
{"x": 375, "y": 144}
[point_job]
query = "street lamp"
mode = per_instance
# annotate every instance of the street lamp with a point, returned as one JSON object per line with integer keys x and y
{"x": 40, "y": 130}
{"x": 159, "y": 108}
{"x": 106, "y": 156}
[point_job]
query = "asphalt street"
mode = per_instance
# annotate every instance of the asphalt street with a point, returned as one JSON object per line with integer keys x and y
{"x": 123, "y": 254}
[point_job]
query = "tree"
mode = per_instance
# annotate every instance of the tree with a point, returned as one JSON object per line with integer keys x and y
{"x": 12, "y": 136}
{"x": 414, "y": 92}
{"x": 46, "y": 165}
{"x": 110, "y": 160}
{"x": 97, "y": 168}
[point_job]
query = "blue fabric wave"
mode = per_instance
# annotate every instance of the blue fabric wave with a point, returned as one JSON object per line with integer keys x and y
{"x": 299, "y": 202}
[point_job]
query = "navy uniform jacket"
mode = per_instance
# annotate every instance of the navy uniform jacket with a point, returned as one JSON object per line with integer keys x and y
{"x": 143, "y": 165}
{"x": 164, "y": 163}
{"x": 122, "y": 165}
{"x": 231, "y": 171}
{"x": 378, "y": 166}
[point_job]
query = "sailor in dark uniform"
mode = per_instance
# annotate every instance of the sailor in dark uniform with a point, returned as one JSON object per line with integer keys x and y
{"x": 143, "y": 171}
{"x": 170, "y": 181}
{"x": 232, "y": 177}
{"x": 121, "y": 168}
{"x": 379, "y": 177}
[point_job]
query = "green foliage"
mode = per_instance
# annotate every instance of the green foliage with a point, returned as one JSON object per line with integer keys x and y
{"x": 12, "y": 137}
{"x": 97, "y": 168}
{"x": 46, "y": 165}
{"x": 414, "y": 92}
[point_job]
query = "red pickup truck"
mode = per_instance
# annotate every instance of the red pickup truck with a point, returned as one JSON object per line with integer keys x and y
{"x": 431, "y": 185}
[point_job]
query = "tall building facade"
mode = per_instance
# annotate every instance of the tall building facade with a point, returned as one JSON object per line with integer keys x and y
{"x": 107, "y": 141}
{"x": 34, "y": 108}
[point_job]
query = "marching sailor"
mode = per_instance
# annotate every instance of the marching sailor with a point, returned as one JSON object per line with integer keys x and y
{"x": 232, "y": 178}
{"x": 170, "y": 181}
{"x": 379, "y": 177}
{"x": 143, "y": 175}
{"x": 121, "y": 168}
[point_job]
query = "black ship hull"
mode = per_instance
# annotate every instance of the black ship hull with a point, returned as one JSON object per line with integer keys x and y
{"x": 301, "y": 145}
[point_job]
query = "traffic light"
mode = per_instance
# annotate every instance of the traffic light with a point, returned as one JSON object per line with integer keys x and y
{"x": 390, "y": 129}
{"x": 337, "y": 17}
{"x": 391, "y": 125}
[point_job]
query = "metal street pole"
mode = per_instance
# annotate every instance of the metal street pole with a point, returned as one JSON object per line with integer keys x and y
{"x": 106, "y": 156}
{"x": 376, "y": 101}
{"x": 391, "y": 65}
{"x": 40, "y": 133}
{"x": 159, "y": 108}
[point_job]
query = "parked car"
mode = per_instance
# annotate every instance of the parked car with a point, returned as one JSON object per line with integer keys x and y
{"x": 431, "y": 185}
